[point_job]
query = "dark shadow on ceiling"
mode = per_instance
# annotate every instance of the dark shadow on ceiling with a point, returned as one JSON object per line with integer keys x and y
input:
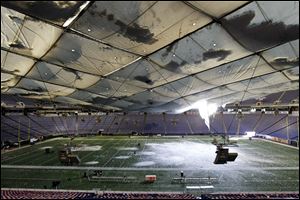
{"x": 56, "y": 11}
{"x": 144, "y": 79}
{"x": 174, "y": 66}
{"x": 221, "y": 54}
{"x": 281, "y": 63}
{"x": 133, "y": 31}
{"x": 256, "y": 37}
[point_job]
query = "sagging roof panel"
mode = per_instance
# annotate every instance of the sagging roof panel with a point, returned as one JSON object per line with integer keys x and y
{"x": 86, "y": 55}
{"x": 204, "y": 49}
{"x": 15, "y": 64}
{"x": 26, "y": 35}
{"x": 43, "y": 88}
{"x": 62, "y": 76}
{"x": 255, "y": 25}
{"x": 148, "y": 56}
{"x": 283, "y": 56}
{"x": 8, "y": 80}
{"x": 217, "y": 8}
{"x": 146, "y": 27}
{"x": 54, "y": 11}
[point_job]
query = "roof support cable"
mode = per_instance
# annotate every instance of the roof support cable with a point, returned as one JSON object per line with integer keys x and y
{"x": 109, "y": 126}
{"x": 272, "y": 124}
{"x": 120, "y": 123}
{"x": 298, "y": 130}
{"x": 224, "y": 125}
{"x": 96, "y": 122}
{"x": 43, "y": 127}
{"x": 56, "y": 126}
{"x": 281, "y": 128}
{"x": 245, "y": 91}
{"x": 188, "y": 123}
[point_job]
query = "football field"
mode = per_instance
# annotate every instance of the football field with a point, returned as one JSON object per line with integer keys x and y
{"x": 124, "y": 162}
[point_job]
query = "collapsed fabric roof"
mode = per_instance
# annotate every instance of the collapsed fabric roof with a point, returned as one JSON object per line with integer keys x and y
{"x": 148, "y": 55}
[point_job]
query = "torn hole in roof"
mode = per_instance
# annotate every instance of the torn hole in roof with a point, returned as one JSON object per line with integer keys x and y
{"x": 30, "y": 94}
{"x": 34, "y": 89}
{"x": 282, "y": 62}
{"x": 294, "y": 72}
{"x": 174, "y": 66}
{"x": 15, "y": 71}
{"x": 144, "y": 79}
{"x": 169, "y": 49}
{"x": 57, "y": 11}
{"x": 74, "y": 72}
{"x": 221, "y": 54}
{"x": 133, "y": 32}
{"x": 16, "y": 19}
{"x": 136, "y": 33}
{"x": 19, "y": 45}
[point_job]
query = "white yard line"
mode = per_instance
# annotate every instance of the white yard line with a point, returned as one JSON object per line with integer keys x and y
{"x": 140, "y": 168}
{"x": 113, "y": 156}
{"x": 128, "y": 154}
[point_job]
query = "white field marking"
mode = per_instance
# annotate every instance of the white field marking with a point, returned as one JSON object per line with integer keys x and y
{"x": 20, "y": 155}
{"x": 91, "y": 163}
{"x": 89, "y": 154}
{"x": 10, "y": 150}
{"x": 102, "y": 152}
{"x": 128, "y": 148}
{"x": 112, "y": 156}
{"x": 144, "y": 168}
{"x": 122, "y": 157}
{"x": 144, "y": 163}
{"x": 121, "y": 165}
{"x": 30, "y": 152}
{"x": 54, "y": 157}
{"x": 47, "y": 147}
{"x": 87, "y": 148}
{"x": 146, "y": 153}
{"x": 123, "y": 160}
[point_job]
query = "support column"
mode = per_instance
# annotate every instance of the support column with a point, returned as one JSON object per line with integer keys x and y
{"x": 164, "y": 119}
{"x": 19, "y": 133}
{"x": 298, "y": 130}
{"x": 122, "y": 119}
{"x": 224, "y": 125}
{"x": 144, "y": 122}
{"x": 287, "y": 128}
{"x": 238, "y": 128}
{"x": 109, "y": 126}
{"x": 76, "y": 124}
{"x": 28, "y": 129}
{"x": 188, "y": 123}
{"x": 257, "y": 123}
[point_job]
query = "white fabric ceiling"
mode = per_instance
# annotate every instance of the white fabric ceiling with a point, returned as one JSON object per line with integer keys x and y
{"x": 148, "y": 55}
